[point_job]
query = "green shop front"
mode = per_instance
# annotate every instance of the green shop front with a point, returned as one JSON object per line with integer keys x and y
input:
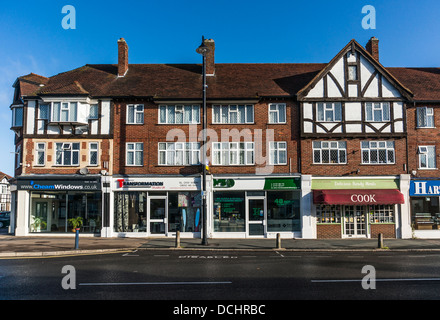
{"x": 357, "y": 207}
{"x": 256, "y": 207}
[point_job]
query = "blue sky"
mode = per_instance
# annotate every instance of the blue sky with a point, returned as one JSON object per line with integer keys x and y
{"x": 33, "y": 39}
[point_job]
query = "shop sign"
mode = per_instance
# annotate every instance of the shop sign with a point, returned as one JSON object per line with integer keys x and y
{"x": 59, "y": 185}
{"x": 163, "y": 184}
{"x": 282, "y": 184}
{"x": 424, "y": 188}
{"x": 332, "y": 184}
{"x": 259, "y": 184}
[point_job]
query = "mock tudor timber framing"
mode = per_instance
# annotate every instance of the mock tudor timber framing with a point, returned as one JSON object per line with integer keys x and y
{"x": 382, "y": 129}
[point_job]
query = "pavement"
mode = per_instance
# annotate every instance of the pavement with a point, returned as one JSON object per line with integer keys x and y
{"x": 37, "y": 246}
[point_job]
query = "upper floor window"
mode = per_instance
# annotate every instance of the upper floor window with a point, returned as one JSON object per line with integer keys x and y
{"x": 44, "y": 111}
{"x": 277, "y": 113}
{"x": 378, "y": 152}
{"x": 67, "y": 154}
{"x": 427, "y": 157}
{"x": 425, "y": 117}
{"x": 64, "y": 111}
{"x": 179, "y": 153}
{"x": 135, "y": 114}
{"x": 135, "y": 154}
{"x": 17, "y": 116}
{"x": 40, "y": 153}
{"x": 352, "y": 73}
{"x": 93, "y": 111}
{"x": 233, "y": 153}
{"x": 179, "y": 114}
{"x": 233, "y": 113}
{"x": 329, "y": 152}
{"x": 278, "y": 152}
{"x": 377, "y": 111}
{"x": 329, "y": 112}
{"x": 93, "y": 153}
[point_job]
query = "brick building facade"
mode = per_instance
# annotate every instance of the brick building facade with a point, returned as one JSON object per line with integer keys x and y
{"x": 289, "y": 147}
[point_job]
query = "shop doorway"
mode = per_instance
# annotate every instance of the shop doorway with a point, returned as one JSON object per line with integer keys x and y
{"x": 40, "y": 218}
{"x": 157, "y": 212}
{"x": 355, "y": 221}
{"x": 256, "y": 216}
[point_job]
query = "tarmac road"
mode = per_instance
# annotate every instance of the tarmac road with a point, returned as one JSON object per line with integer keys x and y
{"x": 176, "y": 275}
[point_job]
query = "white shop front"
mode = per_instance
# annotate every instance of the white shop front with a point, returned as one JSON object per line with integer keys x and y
{"x": 156, "y": 206}
{"x": 256, "y": 206}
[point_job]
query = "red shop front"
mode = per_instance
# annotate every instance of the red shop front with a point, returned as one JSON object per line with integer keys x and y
{"x": 356, "y": 213}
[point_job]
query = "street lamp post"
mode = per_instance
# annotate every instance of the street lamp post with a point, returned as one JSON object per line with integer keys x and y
{"x": 203, "y": 50}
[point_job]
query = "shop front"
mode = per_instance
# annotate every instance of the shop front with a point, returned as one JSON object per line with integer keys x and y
{"x": 425, "y": 208}
{"x": 245, "y": 207}
{"x": 356, "y": 208}
{"x": 156, "y": 206}
{"x": 49, "y": 204}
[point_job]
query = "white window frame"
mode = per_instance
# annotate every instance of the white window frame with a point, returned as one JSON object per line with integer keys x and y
{"x": 428, "y": 117}
{"x": 67, "y": 147}
{"x": 377, "y": 146}
{"x": 338, "y": 146}
{"x": 47, "y": 105}
{"x": 424, "y": 152}
{"x": 15, "y": 118}
{"x": 133, "y": 147}
{"x": 329, "y": 107}
{"x": 383, "y": 107}
{"x": 274, "y": 108}
{"x": 193, "y": 109}
{"x": 40, "y": 148}
{"x": 233, "y": 152}
{"x": 18, "y": 157}
{"x": 276, "y": 148}
{"x": 138, "y": 109}
{"x": 92, "y": 150}
{"x": 91, "y": 116}
{"x": 178, "y": 153}
{"x": 231, "y": 110}
{"x": 71, "y": 107}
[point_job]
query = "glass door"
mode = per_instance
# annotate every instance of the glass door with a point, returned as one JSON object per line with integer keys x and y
{"x": 256, "y": 216}
{"x": 158, "y": 215}
{"x": 355, "y": 221}
{"x": 40, "y": 218}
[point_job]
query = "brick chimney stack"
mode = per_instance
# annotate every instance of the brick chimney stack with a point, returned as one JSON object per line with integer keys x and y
{"x": 373, "y": 47}
{"x": 210, "y": 62}
{"x": 122, "y": 57}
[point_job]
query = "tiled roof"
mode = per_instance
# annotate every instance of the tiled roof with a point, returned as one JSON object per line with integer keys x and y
{"x": 423, "y": 82}
{"x": 231, "y": 80}
{"x": 173, "y": 81}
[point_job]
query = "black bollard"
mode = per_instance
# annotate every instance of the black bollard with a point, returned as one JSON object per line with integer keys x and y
{"x": 380, "y": 241}
{"x": 177, "y": 239}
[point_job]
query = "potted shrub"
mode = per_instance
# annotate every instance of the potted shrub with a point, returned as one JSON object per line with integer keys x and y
{"x": 76, "y": 223}
{"x": 39, "y": 224}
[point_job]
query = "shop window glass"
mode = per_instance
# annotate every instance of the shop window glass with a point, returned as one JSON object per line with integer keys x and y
{"x": 184, "y": 209}
{"x": 229, "y": 211}
{"x": 283, "y": 211}
{"x": 50, "y": 212}
{"x": 130, "y": 213}
{"x": 328, "y": 213}
{"x": 425, "y": 213}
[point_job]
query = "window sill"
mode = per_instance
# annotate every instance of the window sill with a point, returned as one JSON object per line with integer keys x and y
{"x": 425, "y": 127}
{"x": 427, "y": 169}
{"x": 330, "y": 164}
{"x": 178, "y": 124}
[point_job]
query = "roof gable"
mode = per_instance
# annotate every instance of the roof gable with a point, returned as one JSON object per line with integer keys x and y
{"x": 371, "y": 80}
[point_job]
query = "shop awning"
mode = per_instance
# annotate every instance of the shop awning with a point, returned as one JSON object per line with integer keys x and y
{"x": 358, "y": 197}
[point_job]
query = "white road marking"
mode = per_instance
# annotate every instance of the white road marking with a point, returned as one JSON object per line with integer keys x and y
{"x": 378, "y": 280}
{"x": 154, "y": 283}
